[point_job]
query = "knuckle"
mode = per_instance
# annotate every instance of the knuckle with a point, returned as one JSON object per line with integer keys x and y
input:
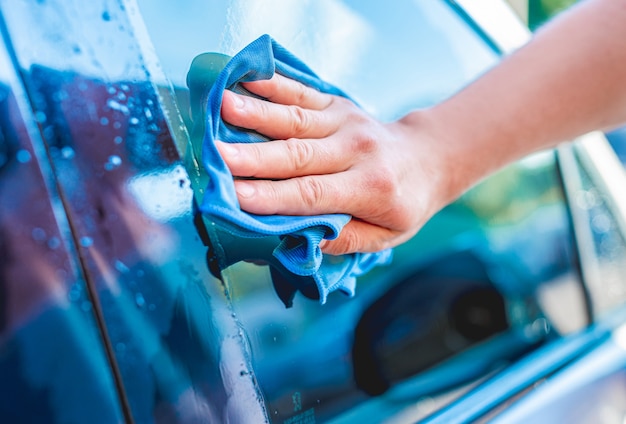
{"x": 349, "y": 242}
{"x": 341, "y": 102}
{"x": 300, "y": 153}
{"x": 300, "y": 121}
{"x": 254, "y": 115}
{"x": 382, "y": 181}
{"x": 311, "y": 192}
{"x": 364, "y": 143}
{"x": 301, "y": 93}
{"x": 253, "y": 160}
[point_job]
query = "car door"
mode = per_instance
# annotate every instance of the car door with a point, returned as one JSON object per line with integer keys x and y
{"x": 155, "y": 320}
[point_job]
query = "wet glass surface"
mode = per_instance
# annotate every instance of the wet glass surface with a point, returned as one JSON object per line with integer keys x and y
{"x": 479, "y": 285}
{"x": 53, "y": 365}
{"x": 177, "y": 348}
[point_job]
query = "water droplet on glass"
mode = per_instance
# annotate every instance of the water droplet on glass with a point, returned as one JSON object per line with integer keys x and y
{"x": 115, "y": 105}
{"x": 134, "y": 121}
{"x": 111, "y": 90}
{"x": 125, "y": 87}
{"x": 60, "y": 95}
{"x": 104, "y": 121}
{"x": 121, "y": 267}
{"x": 148, "y": 113}
{"x": 121, "y": 96}
{"x": 86, "y": 241}
{"x": 67, "y": 152}
{"x": 113, "y": 162}
{"x": 117, "y": 125}
{"x": 106, "y": 16}
{"x": 54, "y": 243}
{"x": 139, "y": 300}
{"x": 118, "y": 140}
{"x": 38, "y": 234}
{"x": 74, "y": 293}
{"x": 40, "y": 117}
{"x": 23, "y": 156}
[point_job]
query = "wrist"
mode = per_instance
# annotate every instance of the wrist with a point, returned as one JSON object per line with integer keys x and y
{"x": 434, "y": 152}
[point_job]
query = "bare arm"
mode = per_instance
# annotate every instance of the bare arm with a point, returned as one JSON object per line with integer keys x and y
{"x": 332, "y": 157}
{"x": 569, "y": 80}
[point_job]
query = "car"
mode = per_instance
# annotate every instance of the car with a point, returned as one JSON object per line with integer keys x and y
{"x": 121, "y": 302}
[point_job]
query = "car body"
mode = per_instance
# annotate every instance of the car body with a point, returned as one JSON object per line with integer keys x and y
{"x": 119, "y": 302}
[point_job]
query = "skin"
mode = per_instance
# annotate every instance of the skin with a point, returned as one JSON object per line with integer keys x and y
{"x": 329, "y": 156}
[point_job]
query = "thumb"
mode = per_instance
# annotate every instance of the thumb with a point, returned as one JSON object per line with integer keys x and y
{"x": 359, "y": 236}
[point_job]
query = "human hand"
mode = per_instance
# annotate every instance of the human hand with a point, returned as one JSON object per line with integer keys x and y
{"x": 329, "y": 156}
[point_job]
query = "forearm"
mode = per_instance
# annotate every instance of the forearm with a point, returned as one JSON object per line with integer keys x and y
{"x": 569, "y": 80}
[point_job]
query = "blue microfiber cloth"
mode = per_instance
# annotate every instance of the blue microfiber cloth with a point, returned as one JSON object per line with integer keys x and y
{"x": 300, "y": 236}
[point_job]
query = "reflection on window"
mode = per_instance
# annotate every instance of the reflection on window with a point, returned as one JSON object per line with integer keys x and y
{"x": 606, "y": 286}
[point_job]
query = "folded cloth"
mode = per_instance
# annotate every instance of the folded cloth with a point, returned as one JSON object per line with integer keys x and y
{"x": 298, "y": 250}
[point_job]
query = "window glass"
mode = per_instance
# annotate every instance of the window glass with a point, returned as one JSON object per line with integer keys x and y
{"x": 607, "y": 268}
{"x": 389, "y": 58}
{"x": 481, "y": 284}
{"x": 47, "y": 319}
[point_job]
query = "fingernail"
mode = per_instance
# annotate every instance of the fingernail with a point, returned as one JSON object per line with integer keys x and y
{"x": 244, "y": 189}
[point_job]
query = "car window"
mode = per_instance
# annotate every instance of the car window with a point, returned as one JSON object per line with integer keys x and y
{"x": 483, "y": 283}
{"x": 174, "y": 335}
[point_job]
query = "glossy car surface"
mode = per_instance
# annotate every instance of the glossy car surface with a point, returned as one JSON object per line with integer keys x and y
{"x": 118, "y": 301}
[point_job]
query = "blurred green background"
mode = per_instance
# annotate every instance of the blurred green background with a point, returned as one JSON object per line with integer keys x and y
{"x": 536, "y": 12}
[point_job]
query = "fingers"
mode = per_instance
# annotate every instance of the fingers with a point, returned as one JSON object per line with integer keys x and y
{"x": 360, "y": 236}
{"x": 340, "y": 192}
{"x": 277, "y": 121}
{"x": 309, "y": 195}
{"x": 282, "y": 159}
{"x": 316, "y": 195}
{"x": 286, "y": 91}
